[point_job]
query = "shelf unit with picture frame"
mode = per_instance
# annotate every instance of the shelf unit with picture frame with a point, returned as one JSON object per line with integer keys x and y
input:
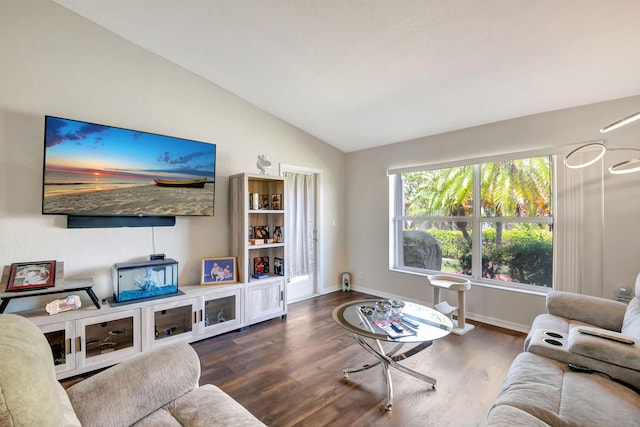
{"x": 253, "y": 226}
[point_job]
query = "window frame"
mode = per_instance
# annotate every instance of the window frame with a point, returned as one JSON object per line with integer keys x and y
{"x": 476, "y": 219}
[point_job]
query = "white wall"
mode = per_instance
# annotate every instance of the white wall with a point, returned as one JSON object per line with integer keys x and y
{"x": 368, "y": 240}
{"x": 57, "y": 63}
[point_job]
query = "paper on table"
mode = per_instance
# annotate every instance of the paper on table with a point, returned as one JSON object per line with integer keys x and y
{"x": 385, "y": 325}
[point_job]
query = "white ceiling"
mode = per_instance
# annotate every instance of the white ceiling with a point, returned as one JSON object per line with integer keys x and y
{"x": 363, "y": 73}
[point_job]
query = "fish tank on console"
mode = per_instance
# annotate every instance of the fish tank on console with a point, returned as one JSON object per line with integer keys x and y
{"x": 134, "y": 281}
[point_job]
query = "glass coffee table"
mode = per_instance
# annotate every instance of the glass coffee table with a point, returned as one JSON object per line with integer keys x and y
{"x": 374, "y": 321}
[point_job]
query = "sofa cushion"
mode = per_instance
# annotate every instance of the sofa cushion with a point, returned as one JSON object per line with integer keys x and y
{"x": 620, "y": 361}
{"x": 507, "y": 416}
{"x": 631, "y": 322}
{"x": 551, "y": 323}
{"x": 70, "y": 419}
{"x": 601, "y": 312}
{"x": 204, "y": 406}
{"x": 152, "y": 379}
{"x": 558, "y": 324}
{"x": 549, "y": 391}
{"x": 29, "y": 392}
{"x": 606, "y": 350}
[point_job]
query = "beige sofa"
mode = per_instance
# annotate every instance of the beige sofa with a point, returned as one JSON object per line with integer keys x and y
{"x": 567, "y": 377}
{"x": 155, "y": 388}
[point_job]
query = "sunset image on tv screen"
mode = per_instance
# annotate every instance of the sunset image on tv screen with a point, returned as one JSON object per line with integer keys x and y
{"x": 98, "y": 170}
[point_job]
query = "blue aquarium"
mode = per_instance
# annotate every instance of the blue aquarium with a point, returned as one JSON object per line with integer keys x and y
{"x": 148, "y": 279}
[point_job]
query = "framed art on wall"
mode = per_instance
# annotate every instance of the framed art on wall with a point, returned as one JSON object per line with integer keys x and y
{"x": 218, "y": 271}
{"x": 25, "y": 276}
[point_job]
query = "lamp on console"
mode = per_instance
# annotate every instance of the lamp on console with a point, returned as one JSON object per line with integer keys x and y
{"x": 588, "y": 154}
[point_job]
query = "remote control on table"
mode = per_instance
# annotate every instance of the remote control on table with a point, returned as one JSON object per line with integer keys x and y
{"x": 622, "y": 340}
{"x": 410, "y": 323}
{"x": 397, "y": 327}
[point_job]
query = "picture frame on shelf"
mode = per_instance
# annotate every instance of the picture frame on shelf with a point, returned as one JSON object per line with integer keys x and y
{"x": 264, "y": 202}
{"x": 276, "y": 202}
{"x": 278, "y": 266}
{"x": 29, "y": 276}
{"x": 250, "y": 232}
{"x": 254, "y": 201}
{"x": 261, "y": 232}
{"x": 218, "y": 271}
{"x": 261, "y": 265}
{"x": 278, "y": 234}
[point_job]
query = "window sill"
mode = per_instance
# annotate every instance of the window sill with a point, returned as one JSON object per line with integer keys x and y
{"x": 522, "y": 289}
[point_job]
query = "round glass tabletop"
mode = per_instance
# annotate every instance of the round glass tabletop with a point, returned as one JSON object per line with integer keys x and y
{"x": 392, "y": 320}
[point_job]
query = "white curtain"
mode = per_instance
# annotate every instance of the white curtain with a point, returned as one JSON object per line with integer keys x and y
{"x": 300, "y": 226}
{"x": 579, "y": 229}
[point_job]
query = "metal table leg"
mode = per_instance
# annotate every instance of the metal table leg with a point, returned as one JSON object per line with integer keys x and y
{"x": 389, "y": 360}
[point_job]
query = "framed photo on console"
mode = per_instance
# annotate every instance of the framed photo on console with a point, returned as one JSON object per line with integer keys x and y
{"x": 29, "y": 276}
{"x": 218, "y": 271}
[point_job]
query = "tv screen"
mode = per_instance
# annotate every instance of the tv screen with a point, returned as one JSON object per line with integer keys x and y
{"x": 98, "y": 170}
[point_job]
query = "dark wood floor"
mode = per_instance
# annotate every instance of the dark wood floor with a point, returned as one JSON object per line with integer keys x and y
{"x": 288, "y": 372}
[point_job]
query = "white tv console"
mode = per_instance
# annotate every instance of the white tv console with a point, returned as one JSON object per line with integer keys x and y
{"x": 89, "y": 338}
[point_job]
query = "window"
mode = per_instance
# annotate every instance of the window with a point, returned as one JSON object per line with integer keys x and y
{"x": 492, "y": 222}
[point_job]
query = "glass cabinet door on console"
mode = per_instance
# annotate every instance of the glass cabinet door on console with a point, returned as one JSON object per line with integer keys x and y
{"x": 170, "y": 322}
{"x": 60, "y": 338}
{"x": 221, "y": 312}
{"x": 108, "y": 339}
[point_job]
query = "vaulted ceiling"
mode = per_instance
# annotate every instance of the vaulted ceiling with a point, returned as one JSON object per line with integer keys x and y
{"x": 363, "y": 73}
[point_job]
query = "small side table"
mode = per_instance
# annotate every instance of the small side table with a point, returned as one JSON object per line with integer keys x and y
{"x": 458, "y": 285}
{"x": 68, "y": 286}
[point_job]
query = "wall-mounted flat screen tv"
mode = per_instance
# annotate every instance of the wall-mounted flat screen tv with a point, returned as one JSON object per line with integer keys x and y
{"x": 93, "y": 170}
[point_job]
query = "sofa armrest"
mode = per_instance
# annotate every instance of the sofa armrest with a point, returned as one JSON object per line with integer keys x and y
{"x": 125, "y": 393}
{"x": 605, "y": 350}
{"x": 601, "y": 312}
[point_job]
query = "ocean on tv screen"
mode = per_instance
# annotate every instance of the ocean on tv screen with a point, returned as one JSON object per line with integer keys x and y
{"x": 97, "y": 170}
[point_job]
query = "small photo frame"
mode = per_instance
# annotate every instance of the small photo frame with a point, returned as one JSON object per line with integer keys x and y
{"x": 278, "y": 234}
{"x": 261, "y": 265}
{"x": 278, "y": 266}
{"x": 276, "y": 202}
{"x": 218, "y": 271}
{"x": 261, "y": 232}
{"x": 28, "y": 276}
{"x": 254, "y": 201}
{"x": 264, "y": 201}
